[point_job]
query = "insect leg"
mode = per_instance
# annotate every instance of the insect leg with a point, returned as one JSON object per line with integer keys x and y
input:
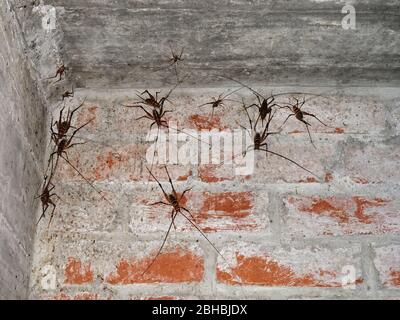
{"x": 183, "y": 193}
{"x": 87, "y": 181}
{"x": 183, "y": 208}
{"x": 170, "y": 180}
{"x": 163, "y": 243}
{"x": 290, "y": 115}
{"x": 45, "y": 207}
{"x": 76, "y": 109}
{"x": 159, "y": 202}
{"x": 159, "y": 184}
{"x": 290, "y": 160}
{"x": 202, "y": 233}
{"x": 314, "y": 116}
{"x": 309, "y": 134}
{"x": 52, "y": 213}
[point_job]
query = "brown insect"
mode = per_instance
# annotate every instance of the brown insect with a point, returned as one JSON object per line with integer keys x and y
{"x": 61, "y": 147}
{"x": 152, "y": 100}
{"x": 219, "y": 102}
{"x": 265, "y": 105}
{"x": 64, "y": 124}
{"x": 260, "y": 139}
{"x": 157, "y": 115}
{"x": 46, "y": 198}
{"x": 175, "y": 59}
{"x": 299, "y": 114}
{"x": 68, "y": 94}
{"x": 60, "y": 72}
{"x": 174, "y": 200}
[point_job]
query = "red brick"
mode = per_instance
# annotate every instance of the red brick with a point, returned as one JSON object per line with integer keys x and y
{"x": 346, "y": 114}
{"x": 123, "y": 261}
{"x": 77, "y": 273}
{"x": 111, "y": 118}
{"x": 213, "y": 212}
{"x": 86, "y": 296}
{"x": 328, "y": 177}
{"x": 88, "y": 112}
{"x": 83, "y": 222}
{"x": 371, "y": 162}
{"x": 272, "y": 169}
{"x": 211, "y": 173}
{"x": 60, "y": 296}
{"x": 339, "y": 130}
{"x": 122, "y": 163}
{"x": 170, "y": 267}
{"x": 114, "y": 117}
{"x": 161, "y": 298}
{"x": 97, "y": 162}
{"x": 387, "y": 262}
{"x": 78, "y": 296}
{"x": 341, "y": 215}
{"x": 252, "y": 264}
{"x": 81, "y": 209}
{"x": 224, "y": 211}
{"x": 269, "y": 168}
{"x": 215, "y": 173}
{"x": 200, "y": 122}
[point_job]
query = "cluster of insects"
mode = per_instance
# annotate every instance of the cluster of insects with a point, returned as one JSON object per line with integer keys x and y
{"x": 63, "y": 135}
{"x": 153, "y": 106}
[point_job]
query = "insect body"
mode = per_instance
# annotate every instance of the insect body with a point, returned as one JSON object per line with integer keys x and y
{"x": 46, "y": 198}
{"x": 64, "y": 124}
{"x": 260, "y": 139}
{"x": 264, "y": 105}
{"x": 60, "y": 72}
{"x": 67, "y": 94}
{"x": 174, "y": 200}
{"x": 156, "y": 115}
{"x": 218, "y": 102}
{"x": 152, "y": 100}
{"x": 175, "y": 59}
{"x": 61, "y": 146}
{"x": 300, "y": 115}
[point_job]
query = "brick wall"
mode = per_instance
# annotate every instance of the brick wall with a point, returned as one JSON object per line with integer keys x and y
{"x": 283, "y": 233}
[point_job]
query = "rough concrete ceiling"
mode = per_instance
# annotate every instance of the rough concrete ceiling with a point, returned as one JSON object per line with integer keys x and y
{"x": 125, "y": 43}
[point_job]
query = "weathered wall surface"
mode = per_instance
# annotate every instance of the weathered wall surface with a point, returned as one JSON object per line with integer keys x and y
{"x": 22, "y": 146}
{"x": 265, "y": 42}
{"x": 284, "y": 233}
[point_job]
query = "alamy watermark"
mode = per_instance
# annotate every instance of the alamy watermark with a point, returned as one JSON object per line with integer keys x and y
{"x": 49, "y": 19}
{"x": 349, "y": 20}
{"x": 192, "y": 147}
{"x": 349, "y": 277}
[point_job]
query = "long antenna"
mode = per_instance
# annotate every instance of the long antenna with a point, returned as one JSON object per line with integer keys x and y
{"x": 84, "y": 178}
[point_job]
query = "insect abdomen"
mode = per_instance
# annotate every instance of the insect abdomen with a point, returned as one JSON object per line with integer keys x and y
{"x": 298, "y": 113}
{"x": 257, "y": 141}
{"x": 173, "y": 201}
